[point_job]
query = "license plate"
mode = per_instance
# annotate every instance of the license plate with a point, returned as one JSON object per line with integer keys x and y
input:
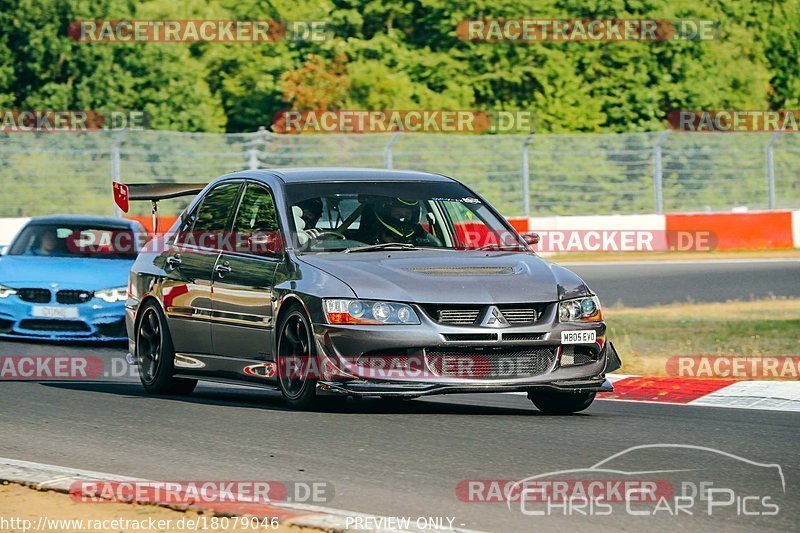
{"x": 43, "y": 311}
{"x": 578, "y": 337}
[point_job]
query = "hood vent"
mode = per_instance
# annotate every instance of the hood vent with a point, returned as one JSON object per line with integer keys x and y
{"x": 463, "y": 271}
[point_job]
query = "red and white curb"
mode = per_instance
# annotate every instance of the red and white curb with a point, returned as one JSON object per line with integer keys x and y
{"x": 60, "y": 479}
{"x": 767, "y": 395}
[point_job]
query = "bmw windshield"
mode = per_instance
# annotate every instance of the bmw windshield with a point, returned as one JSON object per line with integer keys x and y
{"x": 69, "y": 240}
{"x": 348, "y": 216}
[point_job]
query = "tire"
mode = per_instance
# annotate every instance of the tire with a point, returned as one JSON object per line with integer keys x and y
{"x": 155, "y": 355}
{"x": 561, "y": 403}
{"x": 296, "y": 353}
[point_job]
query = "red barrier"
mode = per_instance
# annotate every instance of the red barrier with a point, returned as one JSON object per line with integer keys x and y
{"x": 165, "y": 222}
{"x": 520, "y": 224}
{"x": 738, "y": 231}
{"x": 731, "y": 231}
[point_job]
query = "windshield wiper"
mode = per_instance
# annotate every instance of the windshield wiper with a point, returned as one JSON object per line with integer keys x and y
{"x": 499, "y": 248}
{"x": 383, "y": 246}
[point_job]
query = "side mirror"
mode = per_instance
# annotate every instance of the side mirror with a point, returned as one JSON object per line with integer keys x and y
{"x": 3, "y": 250}
{"x": 270, "y": 243}
{"x": 531, "y": 238}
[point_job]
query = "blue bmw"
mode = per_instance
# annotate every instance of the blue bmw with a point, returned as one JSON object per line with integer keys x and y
{"x": 66, "y": 278}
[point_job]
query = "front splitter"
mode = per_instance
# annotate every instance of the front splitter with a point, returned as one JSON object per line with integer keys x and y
{"x": 364, "y": 388}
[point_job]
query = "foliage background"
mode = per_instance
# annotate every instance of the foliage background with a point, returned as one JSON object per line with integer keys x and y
{"x": 401, "y": 54}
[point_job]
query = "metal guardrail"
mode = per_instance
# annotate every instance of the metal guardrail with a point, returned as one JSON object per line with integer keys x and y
{"x": 541, "y": 174}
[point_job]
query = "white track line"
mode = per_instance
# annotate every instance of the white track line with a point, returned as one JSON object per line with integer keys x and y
{"x": 758, "y": 395}
{"x": 766, "y": 395}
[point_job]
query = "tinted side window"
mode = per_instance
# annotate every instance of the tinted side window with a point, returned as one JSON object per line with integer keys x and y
{"x": 257, "y": 211}
{"x": 217, "y": 208}
{"x": 186, "y": 226}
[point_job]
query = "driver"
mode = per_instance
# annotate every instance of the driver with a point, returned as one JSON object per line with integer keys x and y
{"x": 312, "y": 212}
{"x": 397, "y": 220}
{"x": 46, "y": 244}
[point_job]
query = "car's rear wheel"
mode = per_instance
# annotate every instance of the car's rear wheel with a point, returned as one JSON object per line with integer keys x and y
{"x": 155, "y": 355}
{"x": 296, "y": 357}
{"x": 561, "y": 403}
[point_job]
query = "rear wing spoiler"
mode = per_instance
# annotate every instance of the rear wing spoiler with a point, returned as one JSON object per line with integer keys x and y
{"x": 125, "y": 193}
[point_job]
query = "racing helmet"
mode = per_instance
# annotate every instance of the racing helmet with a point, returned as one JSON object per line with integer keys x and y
{"x": 312, "y": 211}
{"x": 399, "y": 217}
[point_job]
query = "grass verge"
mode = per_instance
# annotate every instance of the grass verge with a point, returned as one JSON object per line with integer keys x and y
{"x": 647, "y": 337}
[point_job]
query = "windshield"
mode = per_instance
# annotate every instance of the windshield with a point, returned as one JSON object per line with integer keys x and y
{"x": 338, "y": 216}
{"x": 67, "y": 240}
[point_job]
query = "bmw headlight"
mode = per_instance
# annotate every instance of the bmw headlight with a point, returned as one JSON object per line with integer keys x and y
{"x": 346, "y": 311}
{"x": 5, "y": 292}
{"x": 119, "y": 294}
{"x": 580, "y": 310}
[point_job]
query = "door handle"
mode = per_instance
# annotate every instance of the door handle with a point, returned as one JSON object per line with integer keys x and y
{"x": 174, "y": 260}
{"x": 222, "y": 269}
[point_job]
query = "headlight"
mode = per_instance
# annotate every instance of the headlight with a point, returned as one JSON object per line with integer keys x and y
{"x": 580, "y": 310}
{"x": 120, "y": 294}
{"x": 343, "y": 311}
{"x": 5, "y": 292}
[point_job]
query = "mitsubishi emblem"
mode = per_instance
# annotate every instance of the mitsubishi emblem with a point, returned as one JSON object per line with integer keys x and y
{"x": 494, "y": 318}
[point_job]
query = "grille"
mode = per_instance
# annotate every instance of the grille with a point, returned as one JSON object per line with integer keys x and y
{"x": 54, "y": 325}
{"x": 519, "y": 315}
{"x": 113, "y": 329}
{"x": 460, "y": 317}
{"x": 489, "y": 364}
{"x": 73, "y": 297}
{"x": 37, "y": 296}
{"x": 523, "y": 336}
{"x": 515, "y": 314}
{"x": 576, "y": 355}
{"x": 470, "y": 336}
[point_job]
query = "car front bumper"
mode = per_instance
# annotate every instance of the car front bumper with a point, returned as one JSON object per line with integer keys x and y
{"x": 96, "y": 320}
{"x": 344, "y": 348}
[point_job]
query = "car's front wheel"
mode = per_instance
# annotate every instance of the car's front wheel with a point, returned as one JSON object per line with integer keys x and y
{"x": 155, "y": 356}
{"x": 296, "y": 357}
{"x": 561, "y": 403}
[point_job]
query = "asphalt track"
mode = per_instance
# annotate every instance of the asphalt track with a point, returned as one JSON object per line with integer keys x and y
{"x": 407, "y": 460}
{"x": 643, "y": 284}
{"x": 402, "y": 461}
